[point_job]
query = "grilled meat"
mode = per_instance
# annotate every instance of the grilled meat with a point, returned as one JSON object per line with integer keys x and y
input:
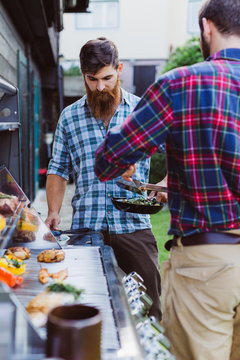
{"x": 8, "y": 204}
{"x": 19, "y": 252}
{"x": 43, "y": 276}
{"x": 50, "y": 256}
{"x": 60, "y": 275}
{"x": 39, "y": 307}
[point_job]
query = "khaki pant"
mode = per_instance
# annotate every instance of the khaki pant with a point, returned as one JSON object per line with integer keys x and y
{"x": 200, "y": 302}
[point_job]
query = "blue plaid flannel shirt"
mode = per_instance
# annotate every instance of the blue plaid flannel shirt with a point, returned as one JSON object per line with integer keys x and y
{"x": 77, "y": 137}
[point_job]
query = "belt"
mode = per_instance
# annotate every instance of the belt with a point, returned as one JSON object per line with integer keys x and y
{"x": 203, "y": 239}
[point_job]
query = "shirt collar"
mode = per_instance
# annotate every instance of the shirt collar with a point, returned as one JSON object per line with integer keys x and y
{"x": 227, "y": 54}
{"x": 125, "y": 97}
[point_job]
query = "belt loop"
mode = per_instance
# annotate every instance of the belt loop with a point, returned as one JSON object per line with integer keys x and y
{"x": 179, "y": 242}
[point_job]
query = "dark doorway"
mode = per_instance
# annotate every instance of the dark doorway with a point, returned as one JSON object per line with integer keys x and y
{"x": 144, "y": 75}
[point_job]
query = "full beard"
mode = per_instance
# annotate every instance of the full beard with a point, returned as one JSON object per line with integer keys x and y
{"x": 103, "y": 103}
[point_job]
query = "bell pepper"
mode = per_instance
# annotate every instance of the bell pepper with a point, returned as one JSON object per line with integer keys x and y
{"x": 2, "y": 223}
{"x": 12, "y": 264}
{"x": 28, "y": 221}
{"x": 26, "y": 226}
{"x": 8, "y": 278}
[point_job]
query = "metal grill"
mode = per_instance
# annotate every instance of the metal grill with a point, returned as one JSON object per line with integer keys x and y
{"x": 83, "y": 264}
{"x": 87, "y": 270}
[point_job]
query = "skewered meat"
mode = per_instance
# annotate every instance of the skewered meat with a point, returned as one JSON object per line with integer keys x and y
{"x": 8, "y": 204}
{"x": 19, "y": 252}
{"x": 43, "y": 276}
{"x": 50, "y": 256}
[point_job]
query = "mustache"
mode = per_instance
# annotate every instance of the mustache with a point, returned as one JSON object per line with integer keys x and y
{"x": 105, "y": 93}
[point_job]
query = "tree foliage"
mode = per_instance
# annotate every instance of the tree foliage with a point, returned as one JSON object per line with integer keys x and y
{"x": 188, "y": 54}
{"x": 72, "y": 71}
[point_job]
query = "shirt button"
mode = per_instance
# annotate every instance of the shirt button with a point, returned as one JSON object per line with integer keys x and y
{"x": 109, "y": 195}
{"x": 102, "y": 127}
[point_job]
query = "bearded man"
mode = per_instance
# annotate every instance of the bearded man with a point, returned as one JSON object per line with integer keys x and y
{"x": 81, "y": 128}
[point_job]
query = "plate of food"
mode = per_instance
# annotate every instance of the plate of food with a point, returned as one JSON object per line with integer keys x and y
{"x": 138, "y": 205}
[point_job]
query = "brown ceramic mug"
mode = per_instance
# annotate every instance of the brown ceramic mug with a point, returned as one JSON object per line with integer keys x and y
{"x": 74, "y": 332}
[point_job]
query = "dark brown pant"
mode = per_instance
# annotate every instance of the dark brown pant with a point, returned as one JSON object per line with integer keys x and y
{"x": 138, "y": 252}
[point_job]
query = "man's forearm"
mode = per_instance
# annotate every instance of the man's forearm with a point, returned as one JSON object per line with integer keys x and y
{"x": 55, "y": 190}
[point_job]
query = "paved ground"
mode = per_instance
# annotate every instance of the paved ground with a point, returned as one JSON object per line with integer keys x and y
{"x": 40, "y": 204}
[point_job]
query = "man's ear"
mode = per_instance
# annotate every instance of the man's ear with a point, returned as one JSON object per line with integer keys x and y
{"x": 207, "y": 30}
{"x": 120, "y": 67}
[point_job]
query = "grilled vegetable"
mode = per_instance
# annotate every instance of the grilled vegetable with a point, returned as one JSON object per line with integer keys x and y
{"x": 142, "y": 201}
{"x": 2, "y": 223}
{"x": 8, "y": 278}
{"x": 12, "y": 264}
{"x": 60, "y": 287}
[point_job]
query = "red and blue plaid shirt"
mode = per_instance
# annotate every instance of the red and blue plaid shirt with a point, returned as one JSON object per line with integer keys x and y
{"x": 195, "y": 110}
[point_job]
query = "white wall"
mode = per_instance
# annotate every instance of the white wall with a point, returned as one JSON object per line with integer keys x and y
{"x": 148, "y": 29}
{"x": 142, "y": 33}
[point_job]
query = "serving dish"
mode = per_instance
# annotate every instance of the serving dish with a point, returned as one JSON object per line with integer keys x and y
{"x": 124, "y": 204}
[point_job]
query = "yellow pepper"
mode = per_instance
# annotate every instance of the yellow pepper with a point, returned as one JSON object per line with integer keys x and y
{"x": 2, "y": 223}
{"x": 12, "y": 264}
{"x": 26, "y": 226}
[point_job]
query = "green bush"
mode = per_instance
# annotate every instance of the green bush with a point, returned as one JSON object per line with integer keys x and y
{"x": 188, "y": 54}
{"x": 72, "y": 71}
{"x": 158, "y": 168}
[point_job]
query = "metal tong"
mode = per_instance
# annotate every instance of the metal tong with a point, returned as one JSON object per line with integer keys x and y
{"x": 138, "y": 187}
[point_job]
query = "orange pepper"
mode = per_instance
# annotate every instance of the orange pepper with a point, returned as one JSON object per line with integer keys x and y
{"x": 9, "y": 279}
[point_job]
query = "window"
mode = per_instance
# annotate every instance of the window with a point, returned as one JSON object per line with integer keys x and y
{"x": 102, "y": 15}
{"x": 193, "y": 10}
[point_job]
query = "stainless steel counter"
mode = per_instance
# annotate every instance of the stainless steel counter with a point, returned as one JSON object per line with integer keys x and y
{"x": 94, "y": 270}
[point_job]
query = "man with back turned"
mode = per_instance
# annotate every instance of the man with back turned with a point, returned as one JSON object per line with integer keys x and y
{"x": 195, "y": 111}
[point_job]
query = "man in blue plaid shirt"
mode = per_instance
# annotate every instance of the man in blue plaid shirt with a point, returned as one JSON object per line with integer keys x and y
{"x": 81, "y": 128}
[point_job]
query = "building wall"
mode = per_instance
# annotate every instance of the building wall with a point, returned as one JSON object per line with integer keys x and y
{"x": 18, "y": 68}
{"x": 10, "y": 42}
{"x": 141, "y": 34}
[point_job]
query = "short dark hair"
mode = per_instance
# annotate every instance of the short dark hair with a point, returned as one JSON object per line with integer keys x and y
{"x": 225, "y": 14}
{"x": 96, "y": 54}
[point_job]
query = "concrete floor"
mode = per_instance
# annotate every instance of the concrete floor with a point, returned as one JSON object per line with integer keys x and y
{"x": 40, "y": 204}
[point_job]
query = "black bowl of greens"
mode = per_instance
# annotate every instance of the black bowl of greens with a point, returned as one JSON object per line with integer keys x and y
{"x": 137, "y": 205}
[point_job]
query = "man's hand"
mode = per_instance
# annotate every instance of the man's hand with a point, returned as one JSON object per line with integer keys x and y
{"x": 128, "y": 174}
{"x": 52, "y": 221}
{"x": 160, "y": 196}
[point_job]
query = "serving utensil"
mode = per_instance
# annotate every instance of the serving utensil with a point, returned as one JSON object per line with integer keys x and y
{"x": 139, "y": 187}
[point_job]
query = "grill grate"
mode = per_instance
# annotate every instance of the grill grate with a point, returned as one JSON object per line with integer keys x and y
{"x": 86, "y": 271}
